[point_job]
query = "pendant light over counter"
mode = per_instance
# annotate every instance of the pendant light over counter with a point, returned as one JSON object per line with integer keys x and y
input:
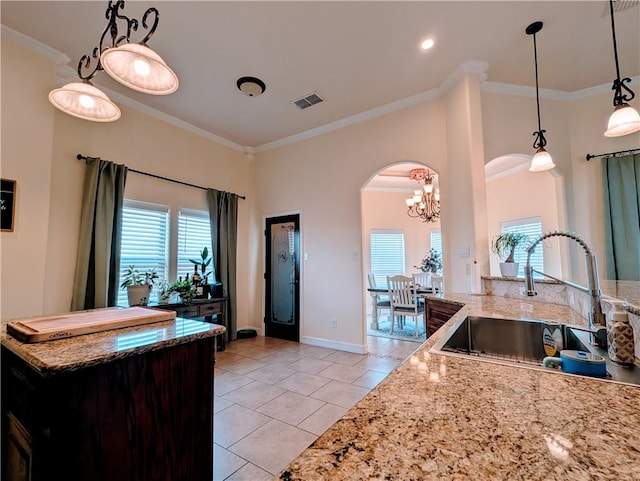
{"x": 542, "y": 159}
{"x": 625, "y": 119}
{"x": 134, "y": 65}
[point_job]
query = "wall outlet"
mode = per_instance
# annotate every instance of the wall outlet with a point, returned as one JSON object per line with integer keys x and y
{"x": 334, "y": 322}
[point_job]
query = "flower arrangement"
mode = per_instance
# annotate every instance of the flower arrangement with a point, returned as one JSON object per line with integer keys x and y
{"x": 432, "y": 262}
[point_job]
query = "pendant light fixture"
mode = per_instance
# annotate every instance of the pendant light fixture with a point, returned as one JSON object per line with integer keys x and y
{"x": 425, "y": 202}
{"x": 134, "y": 65}
{"x": 625, "y": 119}
{"x": 542, "y": 159}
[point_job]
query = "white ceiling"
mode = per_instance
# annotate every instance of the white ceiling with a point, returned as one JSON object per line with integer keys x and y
{"x": 357, "y": 55}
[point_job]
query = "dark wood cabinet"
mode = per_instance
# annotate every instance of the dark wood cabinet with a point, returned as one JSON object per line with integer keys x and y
{"x": 209, "y": 310}
{"x": 438, "y": 313}
{"x": 146, "y": 416}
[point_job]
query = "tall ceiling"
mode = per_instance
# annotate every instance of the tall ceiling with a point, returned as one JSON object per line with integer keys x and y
{"x": 356, "y": 55}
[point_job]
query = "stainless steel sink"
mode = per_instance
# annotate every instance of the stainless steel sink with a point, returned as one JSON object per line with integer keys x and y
{"x": 520, "y": 342}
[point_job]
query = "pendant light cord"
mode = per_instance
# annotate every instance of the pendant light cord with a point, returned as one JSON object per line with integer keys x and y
{"x": 535, "y": 57}
{"x": 615, "y": 44}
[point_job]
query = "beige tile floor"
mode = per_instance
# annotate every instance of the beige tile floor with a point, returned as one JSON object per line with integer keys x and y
{"x": 273, "y": 398}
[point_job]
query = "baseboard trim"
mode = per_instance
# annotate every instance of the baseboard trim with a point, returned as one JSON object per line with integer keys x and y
{"x": 340, "y": 346}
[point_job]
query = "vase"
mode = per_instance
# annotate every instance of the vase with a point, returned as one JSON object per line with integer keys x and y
{"x": 509, "y": 269}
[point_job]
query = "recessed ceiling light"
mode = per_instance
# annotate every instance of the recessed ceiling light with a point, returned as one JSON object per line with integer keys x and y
{"x": 426, "y": 44}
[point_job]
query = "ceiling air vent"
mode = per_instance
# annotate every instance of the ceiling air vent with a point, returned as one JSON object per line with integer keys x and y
{"x": 308, "y": 101}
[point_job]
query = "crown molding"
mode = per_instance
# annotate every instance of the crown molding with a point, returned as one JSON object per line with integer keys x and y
{"x": 40, "y": 48}
{"x": 523, "y": 91}
{"x": 65, "y": 74}
{"x": 145, "y": 109}
{"x": 472, "y": 66}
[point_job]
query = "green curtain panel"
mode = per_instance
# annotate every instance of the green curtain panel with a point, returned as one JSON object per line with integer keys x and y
{"x": 621, "y": 177}
{"x": 98, "y": 263}
{"x": 223, "y": 215}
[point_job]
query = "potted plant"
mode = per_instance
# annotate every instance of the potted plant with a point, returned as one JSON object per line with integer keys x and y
{"x": 203, "y": 288}
{"x": 138, "y": 285}
{"x": 432, "y": 262}
{"x": 504, "y": 246}
{"x": 164, "y": 292}
{"x": 185, "y": 289}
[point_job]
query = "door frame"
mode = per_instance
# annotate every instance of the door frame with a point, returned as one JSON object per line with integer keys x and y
{"x": 301, "y": 261}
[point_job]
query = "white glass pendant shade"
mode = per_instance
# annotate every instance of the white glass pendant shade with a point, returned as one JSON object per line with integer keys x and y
{"x": 541, "y": 161}
{"x": 624, "y": 120}
{"x": 428, "y": 187}
{"x": 410, "y": 202}
{"x": 83, "y": 100}
{"x": 139, "y": 68}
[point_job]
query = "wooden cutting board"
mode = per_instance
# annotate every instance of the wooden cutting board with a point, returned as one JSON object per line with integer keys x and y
{"x": 48, "y": 328}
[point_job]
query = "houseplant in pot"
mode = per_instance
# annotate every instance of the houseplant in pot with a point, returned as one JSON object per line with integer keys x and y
{"x": 203, "y": 288}
{"x": 138, "y": 285}
{"x": 185, "y": 289}
{"x": 504, "y": 246}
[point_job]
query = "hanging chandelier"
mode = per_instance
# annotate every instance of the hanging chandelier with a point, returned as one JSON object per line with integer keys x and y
{"x": 425, "y": 202}
{"x": 132, "y": 64}
{"x": 625, "y": 119}
{"x": 542, "y": 159}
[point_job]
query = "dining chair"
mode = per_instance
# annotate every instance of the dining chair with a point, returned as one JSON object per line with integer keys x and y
{"x": 404, "y": 300}
{"x": 422, "y": 279}
{"x": 380, "y": 300}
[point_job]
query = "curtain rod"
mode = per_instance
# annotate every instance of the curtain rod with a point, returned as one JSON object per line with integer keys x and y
{"x": 613, "y": 154}
{"x": 84, "y": 157}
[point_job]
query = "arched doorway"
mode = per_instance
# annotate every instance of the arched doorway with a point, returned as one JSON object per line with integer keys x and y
{"x": 386, "y": 225}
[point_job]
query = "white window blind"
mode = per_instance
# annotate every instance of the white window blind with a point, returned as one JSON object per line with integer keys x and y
{"x": 145, "y": 241}
{"x": 194, "y": 234}
{"x": 532, "y": 227}
{"x": 387, "y": 254}
{"x": 436, "y": 241}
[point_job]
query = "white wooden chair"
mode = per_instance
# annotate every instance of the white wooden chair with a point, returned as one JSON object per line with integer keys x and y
{"x": 381, "y": 301}
{"x": 422, "y": 279}
{"x": 403, "y": 298}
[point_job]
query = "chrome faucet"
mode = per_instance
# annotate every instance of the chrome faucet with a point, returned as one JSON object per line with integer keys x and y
{"x": 597, "y": 321}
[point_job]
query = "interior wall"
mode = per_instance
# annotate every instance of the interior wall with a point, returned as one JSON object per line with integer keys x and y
{"x": 532, "y": 196}
{"x": 464, "y": 215}
{"x": 27, "y": 139}
{"x": 322, "y": 177}
{"x": 588, "y": 117}
{"x": 54, "y": 180}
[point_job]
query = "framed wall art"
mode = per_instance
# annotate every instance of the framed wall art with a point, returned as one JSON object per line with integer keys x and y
{"x": 7, "y": 204}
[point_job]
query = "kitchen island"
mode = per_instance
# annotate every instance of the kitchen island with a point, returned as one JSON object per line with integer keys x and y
{"x": 440, "y": 417}
{"x": 124, "y": 404}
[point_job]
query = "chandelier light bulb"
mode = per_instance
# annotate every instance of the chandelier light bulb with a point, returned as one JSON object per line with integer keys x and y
{"x": 86, "y": 101}
{"x": 428, "y": 187}
{"x": 141, "y": 67}
{"x": 410, "y": 202}
{"x": 624, "y": 120}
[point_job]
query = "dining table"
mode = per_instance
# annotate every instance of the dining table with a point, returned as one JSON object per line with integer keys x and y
{"x": 377, "y": 291}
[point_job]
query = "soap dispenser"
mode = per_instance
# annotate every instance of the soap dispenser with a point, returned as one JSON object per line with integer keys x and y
{"x": 619, "y": 333}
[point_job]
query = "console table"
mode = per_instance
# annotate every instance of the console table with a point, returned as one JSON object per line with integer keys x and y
{"x": 206, "y": 309}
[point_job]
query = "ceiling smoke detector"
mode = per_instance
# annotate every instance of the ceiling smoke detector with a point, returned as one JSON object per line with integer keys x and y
{"x": 251, "y": 86}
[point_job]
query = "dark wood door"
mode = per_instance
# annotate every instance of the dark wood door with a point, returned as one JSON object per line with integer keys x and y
{"x": 282, "y": 277}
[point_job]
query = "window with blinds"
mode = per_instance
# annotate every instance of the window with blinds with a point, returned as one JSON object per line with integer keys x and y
{"x": 387, "y": 254}
{"x": 145, "y": 242}
{"x": 194, "y": 234}
{"x": 532, "y": 227}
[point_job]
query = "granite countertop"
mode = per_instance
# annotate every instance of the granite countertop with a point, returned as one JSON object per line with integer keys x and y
{"x": 439, "y": 417}
{"x": 72, "y": 353}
